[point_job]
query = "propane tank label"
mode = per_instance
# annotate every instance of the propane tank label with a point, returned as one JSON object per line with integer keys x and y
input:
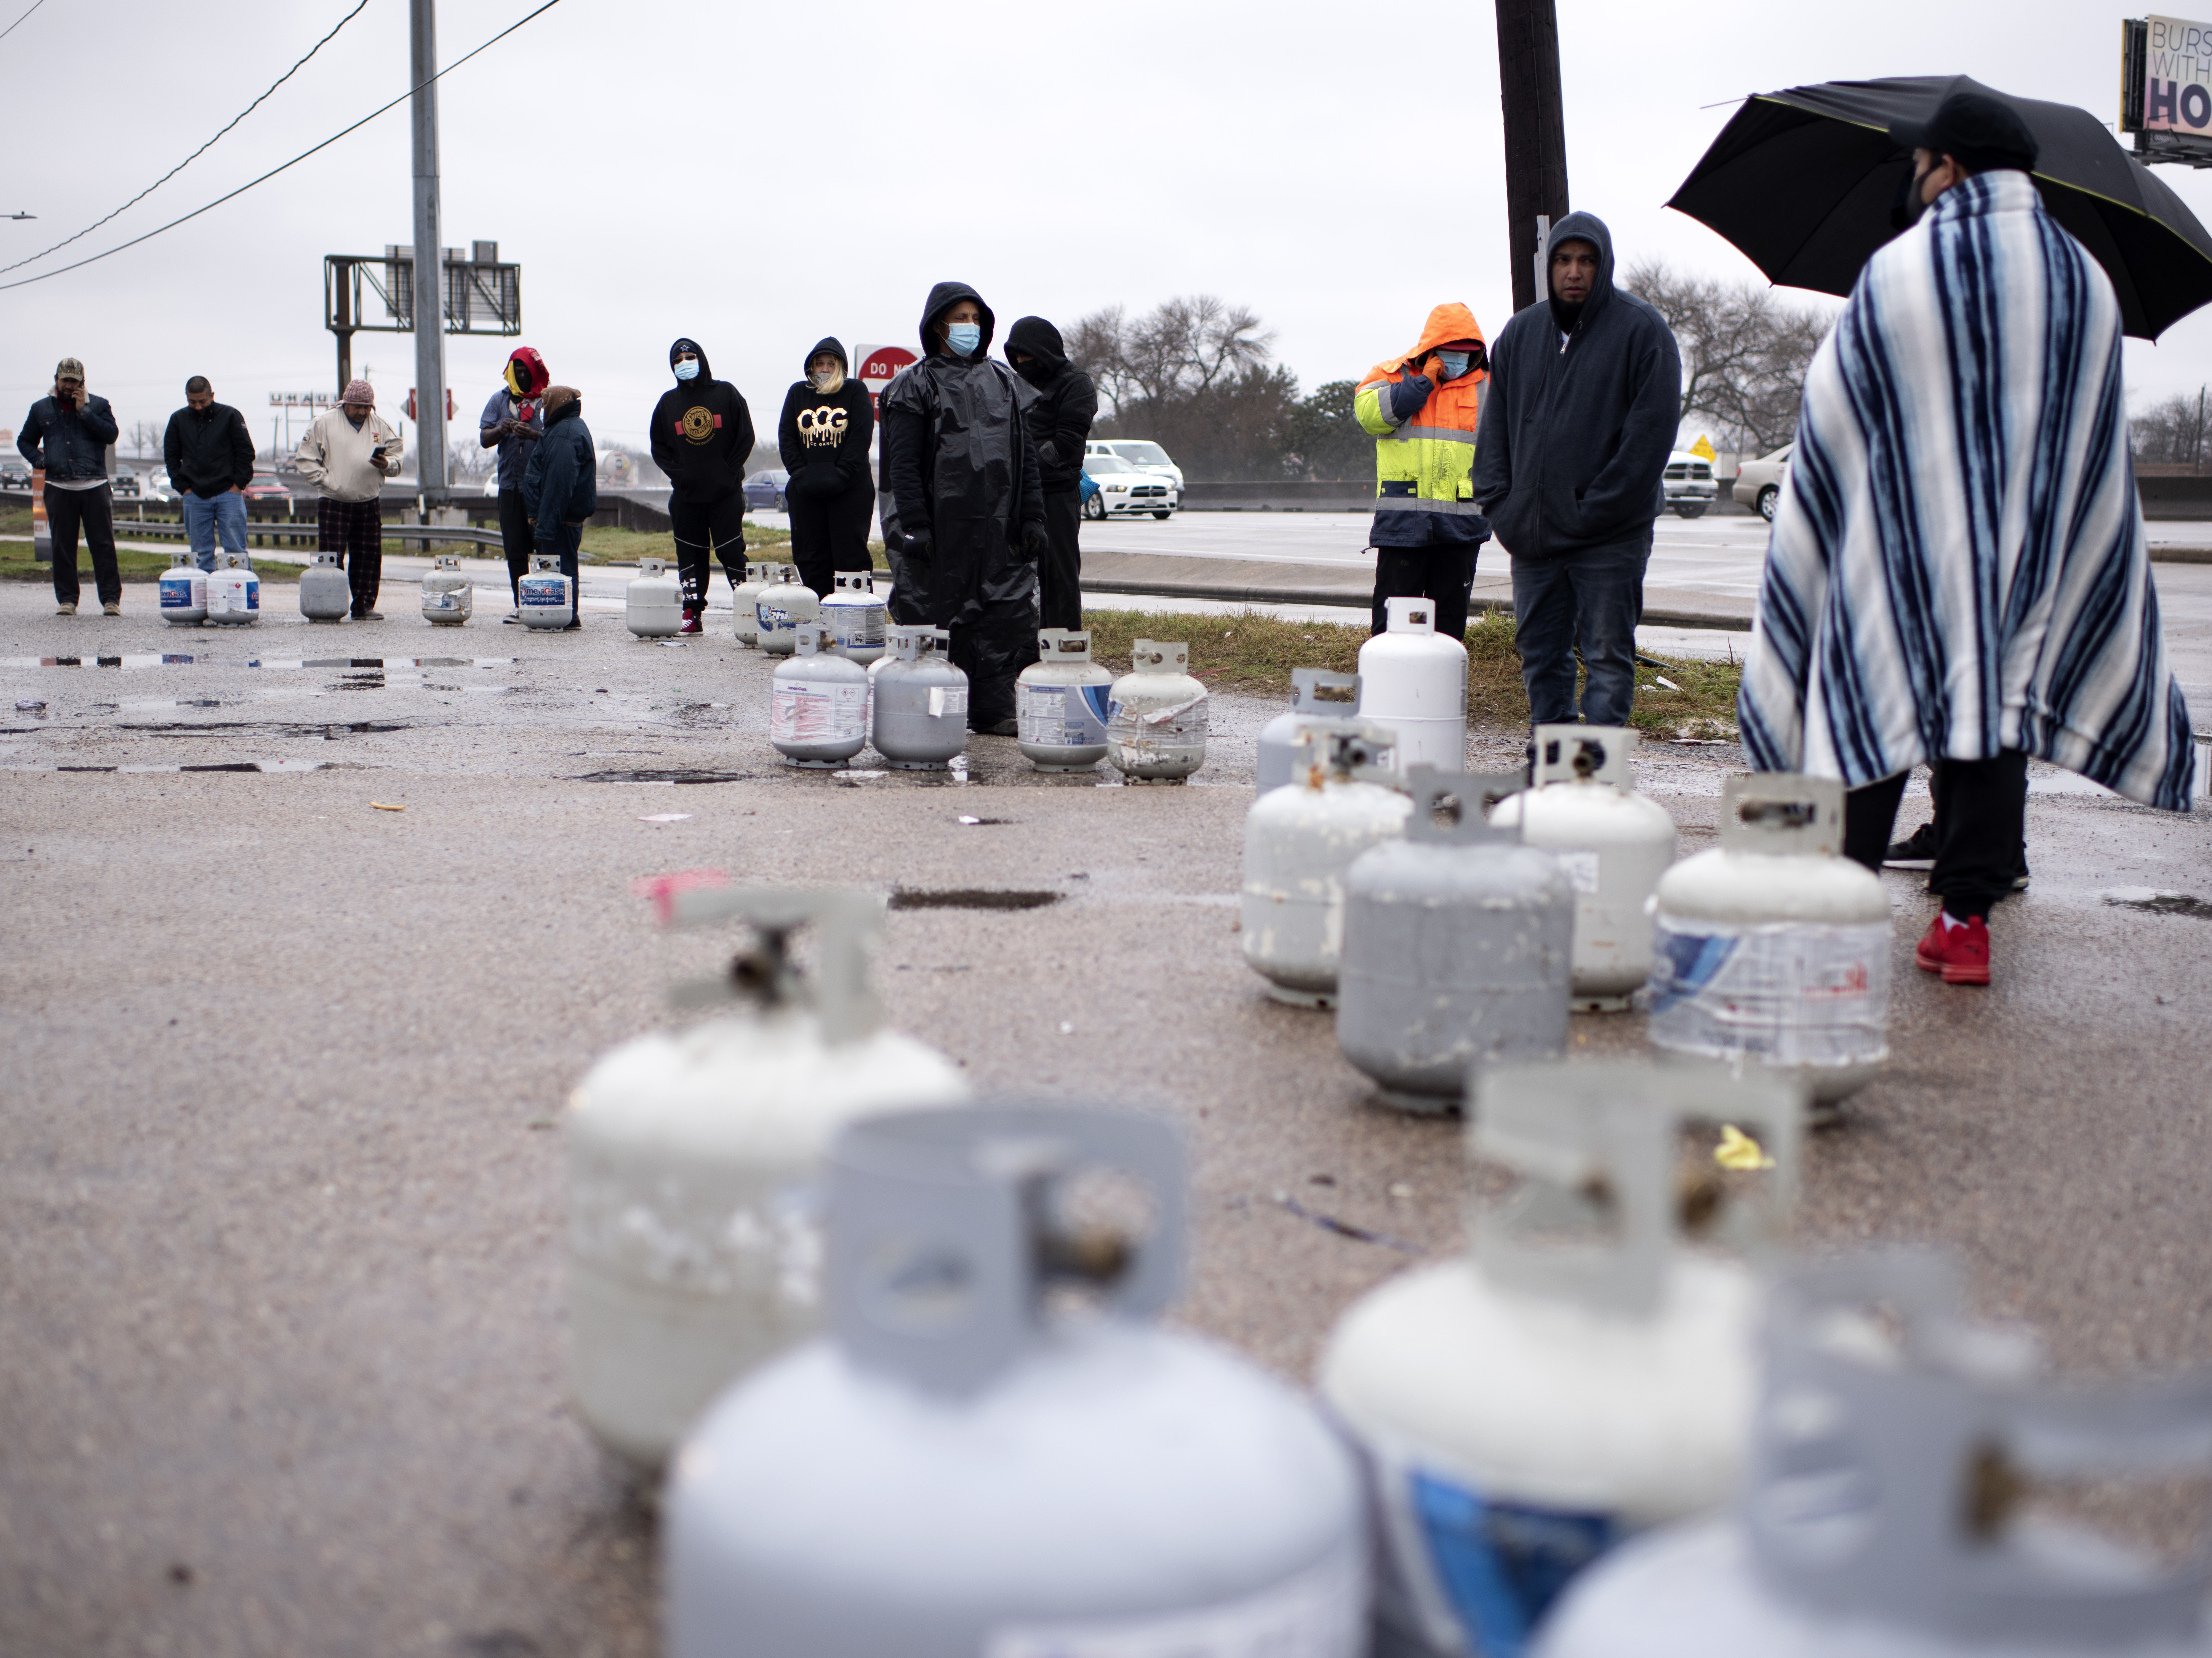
{"x": 855, "y": 624}
{"x": 549, "y": 590}
{"x": 946, "y": 699}
{"x": 1061, "y": 716}
{"x": 1796, "y": 995}
{"x": 802, "y": 711}
{"x": 1581, "y": 868}
{"x": 176, "y": 592}
{"x": 772, "y": 617}
{"x": 1320, "y": 1613}
{"x": 1494, "y": 1568}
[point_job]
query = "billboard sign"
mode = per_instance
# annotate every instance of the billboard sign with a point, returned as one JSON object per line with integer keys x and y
{"x": 879, "y": 364}
{"x": 2165, "y": 87}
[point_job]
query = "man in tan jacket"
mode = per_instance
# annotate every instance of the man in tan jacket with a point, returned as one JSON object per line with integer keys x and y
{"x": 347, "y": 454}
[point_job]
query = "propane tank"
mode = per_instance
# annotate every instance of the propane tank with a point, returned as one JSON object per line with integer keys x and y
{"x": 549, "y": 598}
{"x": 694, "y": 1235}
{"x": 1580, "y": 1375}
{"x": 233, "y": 593}
{"x": 325, "y": 595}
{"x": 817, "y": 704}
{"x": 960, "y": 1469}
{"x": 653, "y": 605}
{"x": 1059, "y": 702}
{"x": 1156, "y": 715}
{"x": 1772, "y": 946}
{"x": 1614, "y": 844}
{"x": 1458, "y": 946}
{"x": 1413, "y": 679}
{"x": 919, "y": 701}
{"x": 449, "y": 597}
{"x": 184, "y": 591}
{"x": 1299, "y": 841}
{"x": 780, "y": 607}
{"x": 745, "y": 599}
{"x": 1886, "y": 1510}
{"x": 1321, "y": 700}
{"x": 854, "y": 616}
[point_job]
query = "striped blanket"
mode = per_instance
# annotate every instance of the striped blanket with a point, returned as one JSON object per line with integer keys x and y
{"x": 1958, "y": 564}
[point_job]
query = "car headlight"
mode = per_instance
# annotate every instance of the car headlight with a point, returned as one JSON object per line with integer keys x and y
{"x": 1115, "y": 488}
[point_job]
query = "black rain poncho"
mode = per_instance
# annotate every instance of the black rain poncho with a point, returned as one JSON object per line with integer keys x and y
{"x": 960, "y": 463}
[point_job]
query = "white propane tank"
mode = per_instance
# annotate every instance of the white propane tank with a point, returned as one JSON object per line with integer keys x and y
{"x": 745, "y": 599}
{"x": 449, "y": 597}
{"x": 918, "y": 702}
{"x": 854, "y": 616}
{"x": 694, "y": 1230}
{"x": 817, "y": 704}
{"x": 1458, "y": 946}
{"x": 653, "y": 605}
{"x": 780, "y": 607}
{"x": 549, "y": 598}
{"x": 960, "y": 1470}
{"x": 1299, "y": 840}
{"x": 325, "y": 595}
{"x": 184, "y": 591}
{"x": 1060, "y": 703}
{"x": 1774, "y": 947}
{"x": 1886, "y": 1510}
{"x": 1156, "y": 715}
{"x": 233, "y": 593}
{"x": 1413, "y": 679}
{"x": 1579, "y": 1375}
{"x": 1320, "y": 701}
{"x": 1614, "y": 844}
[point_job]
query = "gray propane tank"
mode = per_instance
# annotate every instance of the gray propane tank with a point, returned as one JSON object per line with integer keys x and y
{"x": 745, "y": 599}
{"x": 1581, "y": 1374}
{"x": 449, "y": 597}
{"x": 1060, "y": 703}
{"x": 1772, "y": 946}
{"x": 1156, "y": 715}
{"x": 817, "y": 704}
{"x": 1413, "y": 679}
{"x": 854, "y": 616}
{"x": 325, "y": 595}
{"x": 184, "y": 591}
{"x": 919, "y": 701}
{"x": 548, "y": 597}
{"x": 653, "y": 605}
{"x": 959, "y": 1471}
{"x": 694, "y": 1155}
{"x": 1299, "y": 840}
{"x": 1886, "y": 1513}
{"x": 1458, "y": 946}
{"x": 234, "y": 591}
{"x": 781, "y": 606}
{"x": 1320, "y": 699}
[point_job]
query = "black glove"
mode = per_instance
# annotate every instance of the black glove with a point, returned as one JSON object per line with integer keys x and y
{"x": 917, "y": 543}
{"x": 1407, "y": 396}
{"x": 1035, "y": 542}
{"x": 820, "y": 482}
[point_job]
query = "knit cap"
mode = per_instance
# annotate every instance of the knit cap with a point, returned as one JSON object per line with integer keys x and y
{"x": 359, "y": 392}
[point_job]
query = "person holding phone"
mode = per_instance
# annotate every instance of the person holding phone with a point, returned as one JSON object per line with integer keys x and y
{"x": 347, "y": 454}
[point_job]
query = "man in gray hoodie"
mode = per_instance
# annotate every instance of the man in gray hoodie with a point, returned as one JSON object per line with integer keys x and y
{"x": 1585, "y": 399}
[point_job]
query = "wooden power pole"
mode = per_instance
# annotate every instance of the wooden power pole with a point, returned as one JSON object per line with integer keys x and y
{"x": 1535, "y": 132}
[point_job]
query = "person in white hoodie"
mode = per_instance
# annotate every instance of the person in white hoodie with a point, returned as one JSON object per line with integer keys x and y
{"x": 347, "y": 454}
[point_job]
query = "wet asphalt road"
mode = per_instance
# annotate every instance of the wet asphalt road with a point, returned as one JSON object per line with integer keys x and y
{"x": 280, "y": 1326}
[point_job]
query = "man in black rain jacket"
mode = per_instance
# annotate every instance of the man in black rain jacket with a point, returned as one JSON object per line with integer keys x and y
{"x": 1570, "y": 459}
{"x": 560, "y": 486}
{"x": 823, "y": 436}
{"x": 210, "y": 457}
{"x": 702, "y": 435}
{"x": 964, "y": 507}
{"x": 1068, "y": 403}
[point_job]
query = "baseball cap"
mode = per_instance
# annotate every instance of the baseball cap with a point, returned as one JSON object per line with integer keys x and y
{"x": 1981, "y": 130}
{"x": 69, "y": 368}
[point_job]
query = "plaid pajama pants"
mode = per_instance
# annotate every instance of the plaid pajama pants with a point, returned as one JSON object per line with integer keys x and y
{"x": 353, "y": 529}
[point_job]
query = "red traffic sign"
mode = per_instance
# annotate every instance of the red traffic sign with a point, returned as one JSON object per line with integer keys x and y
{"x": 410, "y": 403}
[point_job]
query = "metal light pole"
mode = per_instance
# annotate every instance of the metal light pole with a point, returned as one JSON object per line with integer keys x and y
{"x": 1535, "y": 133}
{"x": 429, "y": 261}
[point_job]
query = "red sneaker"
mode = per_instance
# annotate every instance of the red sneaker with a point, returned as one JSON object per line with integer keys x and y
{"x": 690, "y": 621}
{"x": 1961, "y": 954}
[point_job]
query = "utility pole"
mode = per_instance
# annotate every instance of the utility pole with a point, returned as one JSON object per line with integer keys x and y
{"x": 1535, "y": 132}
{"x": 430, "y": 261}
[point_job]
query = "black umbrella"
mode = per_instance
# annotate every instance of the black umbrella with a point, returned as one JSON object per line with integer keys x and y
{"x": 1802, "y": 182}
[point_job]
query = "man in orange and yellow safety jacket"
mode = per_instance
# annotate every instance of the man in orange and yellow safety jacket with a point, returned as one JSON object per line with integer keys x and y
{"x": 1421, "y": 409}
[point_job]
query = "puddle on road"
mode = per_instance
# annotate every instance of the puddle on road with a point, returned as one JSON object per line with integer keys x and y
{"x": 663, "y": 775}
{"x": 971, "y": 898}
{"x": 2158, "y": 903}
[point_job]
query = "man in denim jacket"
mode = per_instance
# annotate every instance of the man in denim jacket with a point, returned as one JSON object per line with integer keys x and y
{"x": 68, "y": 433}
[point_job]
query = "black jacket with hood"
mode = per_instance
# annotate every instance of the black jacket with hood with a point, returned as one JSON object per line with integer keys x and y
{"x": 824, "y": 436}
{"x": 1571, "y": 447}
{"x": 561, "y": 482}
{"x": 208, "y": 451}
{"x": 702, "y": 432}
{"x": 1067, "y": 401}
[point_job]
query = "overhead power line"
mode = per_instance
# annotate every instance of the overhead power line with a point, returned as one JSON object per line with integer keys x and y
{"x": 11, "y": 28}
{"x": 195, "y": 155}
{"x": 59, "y": 270}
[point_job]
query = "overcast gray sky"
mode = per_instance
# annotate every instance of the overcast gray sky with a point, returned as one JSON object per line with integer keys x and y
{"x": 759, "y": 176}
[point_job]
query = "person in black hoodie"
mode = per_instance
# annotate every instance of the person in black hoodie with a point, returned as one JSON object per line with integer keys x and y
{"x": 702, "y": 435}
{"x": 209, "y": 456}
{"x": 828, "y": 421}
{"x": 963, "y": 506}
{"x": 1068, "y": 403}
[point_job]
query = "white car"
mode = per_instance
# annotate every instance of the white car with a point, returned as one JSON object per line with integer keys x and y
{"x": 1140, "y": 452}
{"x": 1124, "y": 491}
{"x": 1689, "y": 484}
{"x": 1759, "y": 482}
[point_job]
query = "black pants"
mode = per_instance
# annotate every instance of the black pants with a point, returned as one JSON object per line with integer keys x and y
{"x": 94, "y": 510}
{"x": 718, "y": 525}
{"x": 1060, "y": 573}
{"x": 1442, "y": 575}
{"x": 516, "y": 539}
{"x": 1981, "y": 816}
{"x": 564, "y": 543}
{"x": 829, "y": 534}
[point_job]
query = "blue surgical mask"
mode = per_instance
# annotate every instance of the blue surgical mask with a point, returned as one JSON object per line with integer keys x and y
{"x": 962, "y": 337}
{"x": 1455, "y": 362}
{"x": 687, "y": 369}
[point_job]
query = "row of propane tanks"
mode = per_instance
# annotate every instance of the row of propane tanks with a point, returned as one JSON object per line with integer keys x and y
{"x": 903, "y": 1364}
{"x": 230, "y": 594}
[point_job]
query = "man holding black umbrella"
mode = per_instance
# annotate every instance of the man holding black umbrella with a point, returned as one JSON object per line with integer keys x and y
{"x": 1958, "y": 572}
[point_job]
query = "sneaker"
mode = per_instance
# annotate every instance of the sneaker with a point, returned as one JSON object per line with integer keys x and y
{"x": 1961, "y": 954}
{"x": 65, "y": 610}
{"x": 1916, "y": 850}
{"x": 113, "y": 607}
{"x": 690, "y": 623}
{"x": 368, "y": 616}
{"x": 999, "y": 728}
{"x": 576, "y": 627}
{"x": 511, "y": 621}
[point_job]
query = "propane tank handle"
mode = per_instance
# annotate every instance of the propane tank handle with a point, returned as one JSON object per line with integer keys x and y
{"x": 649, "y": 566}
{"x": 1597, "y": 754}
{"x": 1471, "y": 794}
{"x": 1360, "y": 753}
{"x": 1160, "y": 656}
{"x": 807, "y": 638}
{"x": 1063, "y": 644}
{"x": 1783, "y": 812}
{"x": 847, "y": 923}
{"x": 1312, "y": 687}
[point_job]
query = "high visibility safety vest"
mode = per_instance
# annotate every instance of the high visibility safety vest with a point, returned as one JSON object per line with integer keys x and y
{"x": 1425, "y": 464}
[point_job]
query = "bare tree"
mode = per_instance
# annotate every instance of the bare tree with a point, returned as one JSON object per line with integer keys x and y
{"x": 1745, "y": 351}
{"x": 1182, "y": 348}
{"x": 1098, "y": 346}
{"x": 2173, "y": 433}
{"x": 146, "y": 439}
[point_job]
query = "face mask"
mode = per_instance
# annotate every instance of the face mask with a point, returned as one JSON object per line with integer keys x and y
{"x": 687, "y": 369}
{"x": 1455, "y": 362}
{"x": 1906, "y": 210}
{"x": 962, "y": 337}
